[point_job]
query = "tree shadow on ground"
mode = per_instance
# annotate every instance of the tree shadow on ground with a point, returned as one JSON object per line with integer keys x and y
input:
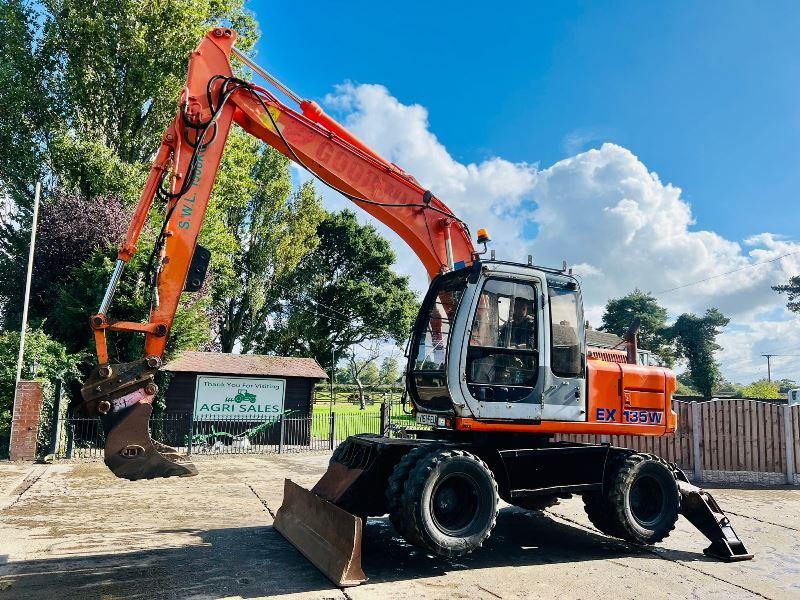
{"x": 251, "y": 562}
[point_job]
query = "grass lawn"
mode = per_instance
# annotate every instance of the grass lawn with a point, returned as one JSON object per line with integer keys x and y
{"x": 350, "y": 419}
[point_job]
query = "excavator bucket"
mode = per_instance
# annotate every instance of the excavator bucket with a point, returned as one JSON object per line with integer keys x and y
{"x": 122, "y": 395}
{"x": 702, "y": 511}
{"x": 328, "y": 536}
{"x": 132, "y": 454}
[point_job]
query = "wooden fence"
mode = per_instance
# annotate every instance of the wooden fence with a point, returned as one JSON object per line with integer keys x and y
{"x": 726, "y": 441}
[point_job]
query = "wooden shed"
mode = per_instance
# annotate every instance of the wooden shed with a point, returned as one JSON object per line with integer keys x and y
{"x": 236, "y": 379}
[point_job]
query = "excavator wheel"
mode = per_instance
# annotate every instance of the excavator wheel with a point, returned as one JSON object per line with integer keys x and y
{"x": 397, "y": 482}
{"x": 341, "y": 450}
{"x": 597, "y": 504}
{"x": 599, "y": 512}
{"x": 449, "y": 503}
{"x": 643, "y": 499}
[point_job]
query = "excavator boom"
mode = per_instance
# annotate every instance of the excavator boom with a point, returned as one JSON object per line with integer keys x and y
{"x": 183, "y": 175}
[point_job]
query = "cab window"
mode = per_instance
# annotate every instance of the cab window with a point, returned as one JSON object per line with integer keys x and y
{"x": 502, "y": 345}
{"x": 566, "y": 331}
{"x": 428, "y": 369}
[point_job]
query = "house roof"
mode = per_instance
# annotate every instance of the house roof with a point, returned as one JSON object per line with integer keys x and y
{"x": 602, "y": 339}
{"x": 245, "y": 364}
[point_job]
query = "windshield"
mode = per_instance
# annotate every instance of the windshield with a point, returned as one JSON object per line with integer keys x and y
{"x": 428, "y": 381}
{"x": 441, "y": 311}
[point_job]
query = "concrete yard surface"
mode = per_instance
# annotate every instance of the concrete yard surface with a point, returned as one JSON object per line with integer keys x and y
{"x": 75, "y": 531}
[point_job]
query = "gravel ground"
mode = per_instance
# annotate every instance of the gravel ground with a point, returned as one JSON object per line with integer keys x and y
{"x": 74, "y": 531}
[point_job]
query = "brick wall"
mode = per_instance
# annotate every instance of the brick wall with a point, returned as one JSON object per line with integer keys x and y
{"x": 25, "y": 421}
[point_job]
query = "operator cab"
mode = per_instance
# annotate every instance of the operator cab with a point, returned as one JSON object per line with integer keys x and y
{"x": 500, "y": 341}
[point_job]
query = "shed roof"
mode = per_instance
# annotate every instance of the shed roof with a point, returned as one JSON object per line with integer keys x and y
{"x": 245, "y": 364}
{"x": 602, "y": 339}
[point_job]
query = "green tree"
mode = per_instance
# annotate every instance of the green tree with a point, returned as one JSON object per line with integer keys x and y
{"x": 767, "y": 390}
{"x": 342, "y": 294}
{"x": 343, "y": 375}
{"x": 52, "y": 361}
{"x": 276, "y": 228}
{"x": 27, "y": 112}
{"x": 123, "y": 63}
{"x": 621, "y": 312}
{"x": 727, "y": 388}
{"x": 364, "y": 370}
{"x": 685, "y": 385}
{"x": 389, "y": 371}
{"x": 696, "y": 342}
{"x": 88, "y": 86}
{"x": 107, "y": 75}
{"x": 792, "y": 290}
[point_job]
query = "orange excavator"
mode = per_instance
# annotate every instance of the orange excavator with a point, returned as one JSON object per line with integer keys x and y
{"x": 498, "y": 362}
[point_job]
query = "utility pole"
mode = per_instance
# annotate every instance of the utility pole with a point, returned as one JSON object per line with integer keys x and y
{"x": 34, "y": 222}
{"x": 769, "y": 370}
{"x": 36, "y": 195}
{"x": 773, "y": 355}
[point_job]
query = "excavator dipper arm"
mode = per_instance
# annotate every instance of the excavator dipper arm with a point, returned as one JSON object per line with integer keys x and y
{"x": 183, "y": 175}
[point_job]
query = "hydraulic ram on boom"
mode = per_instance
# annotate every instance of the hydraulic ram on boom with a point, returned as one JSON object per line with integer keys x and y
{"x": 498, "y": 362}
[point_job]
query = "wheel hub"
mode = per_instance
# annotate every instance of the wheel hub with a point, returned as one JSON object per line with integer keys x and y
{"x": 646, "y": 500}
{"x": 454, "y": 503}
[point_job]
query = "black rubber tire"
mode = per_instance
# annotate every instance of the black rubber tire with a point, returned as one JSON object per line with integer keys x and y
{"x": 338, "y": 453}
{"x": 341, "y": 449}
{"x": 449, "y": 503}
{"x": 600, "y": 514}
{"x": 644, "y": 499}
{"x": 536, "y": 502}
{"x": 397, "y": 482}
{"x": 597, "y": 505}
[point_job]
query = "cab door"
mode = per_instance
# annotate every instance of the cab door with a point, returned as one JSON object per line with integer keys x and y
{"x": 564, "y": 395}
{"x": 500, "y": 366}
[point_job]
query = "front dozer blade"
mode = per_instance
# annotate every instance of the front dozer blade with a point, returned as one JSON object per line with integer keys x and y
{"x": 702, "y": 511}
{"x": 132, "y": 454}
{"x": 328, "y": 536}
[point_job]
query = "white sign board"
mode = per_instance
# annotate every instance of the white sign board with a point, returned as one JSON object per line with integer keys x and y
{"x": 238, "y": 397}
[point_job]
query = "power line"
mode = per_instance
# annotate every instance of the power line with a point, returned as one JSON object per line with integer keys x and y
{"x": 763, "y": 262}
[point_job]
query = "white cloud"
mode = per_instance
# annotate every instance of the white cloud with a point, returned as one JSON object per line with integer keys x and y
{"x": 603, "y": 208}
{"x": 603, "y": 211}
{"x": 488, "y": 194}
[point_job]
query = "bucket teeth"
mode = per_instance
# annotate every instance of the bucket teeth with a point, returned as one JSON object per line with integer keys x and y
{"x": 132, "y": 454}
{"x": 325, "y": 534}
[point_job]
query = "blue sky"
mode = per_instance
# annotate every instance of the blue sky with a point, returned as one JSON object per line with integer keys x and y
{"x": 651, "y": 144}
{"x": 705, "y": 94}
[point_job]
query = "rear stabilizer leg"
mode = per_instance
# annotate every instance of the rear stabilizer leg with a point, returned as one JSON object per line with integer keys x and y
{"x": 702, "y": 511}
